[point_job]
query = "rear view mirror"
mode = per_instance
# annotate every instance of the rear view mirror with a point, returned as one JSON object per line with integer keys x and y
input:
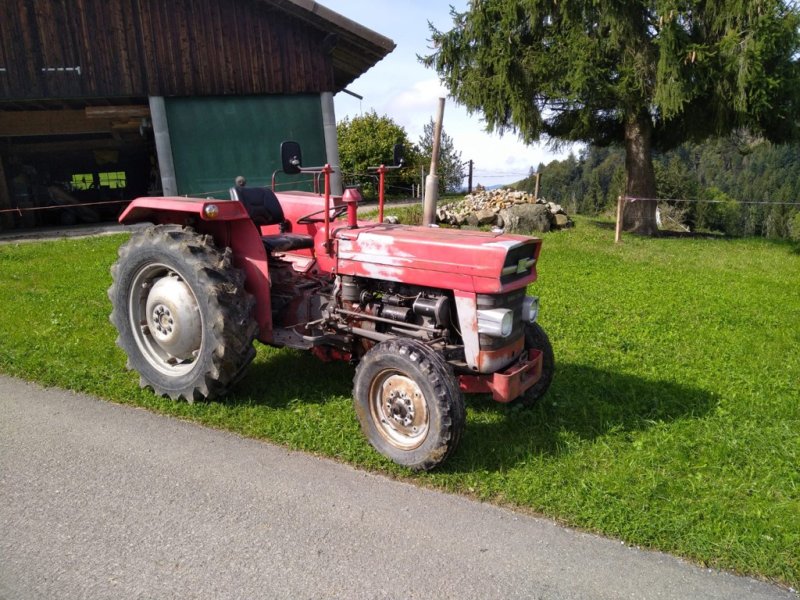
{"x": 291, "y": 158}
{"x": 398, "y": 160}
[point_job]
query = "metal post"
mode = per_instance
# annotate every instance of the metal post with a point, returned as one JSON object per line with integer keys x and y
{"x": 469, "y": 181}
{"x": 326, "y": 172}
{"x": 166, "y": 166}
{"x": 432, "y": 181}
{"x": 381, "y": 183}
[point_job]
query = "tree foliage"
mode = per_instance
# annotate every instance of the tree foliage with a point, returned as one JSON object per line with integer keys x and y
{"x": 750, "y": 189}
{"x": 451, "y": 166}
{"x": 368, "y": 141}
{"x": 643, "y": 74}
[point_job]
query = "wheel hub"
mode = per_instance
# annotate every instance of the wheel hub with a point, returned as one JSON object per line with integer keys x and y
{"x": 173, "y": 318}
{"x": 162, "y": 320}
{"x": 400, "y": 407}
{"x": 399, "y": 410}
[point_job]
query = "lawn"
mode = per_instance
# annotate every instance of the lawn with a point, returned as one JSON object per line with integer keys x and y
{"x": 673, "y": 421}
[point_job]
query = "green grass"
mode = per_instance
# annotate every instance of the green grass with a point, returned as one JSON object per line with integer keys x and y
{"x": 673, "y": 421}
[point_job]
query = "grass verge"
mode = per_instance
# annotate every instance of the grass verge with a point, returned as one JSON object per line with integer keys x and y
{"x": 672, "y": 422}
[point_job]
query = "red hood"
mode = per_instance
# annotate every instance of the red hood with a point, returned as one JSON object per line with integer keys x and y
{"x": 435, "y": 257}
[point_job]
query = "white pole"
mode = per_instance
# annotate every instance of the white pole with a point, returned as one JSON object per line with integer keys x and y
{"x": 166, "y": 166}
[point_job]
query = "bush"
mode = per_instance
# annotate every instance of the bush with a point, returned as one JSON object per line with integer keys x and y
{"x": 722, "y": 213}
{"x": 794, "y": 227}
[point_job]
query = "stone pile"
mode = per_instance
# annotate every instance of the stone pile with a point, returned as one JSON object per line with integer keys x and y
{"x": 507, "y": 209}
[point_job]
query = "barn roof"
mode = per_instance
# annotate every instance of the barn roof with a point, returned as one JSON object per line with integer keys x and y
{"x": 357, "y": 48}
{"x": 197, "y": 48}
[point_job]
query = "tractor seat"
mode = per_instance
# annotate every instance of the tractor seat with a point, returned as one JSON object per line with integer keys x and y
{"x": 286, "y": 242}
{"x": 261, "y": 204}
{"x": 264, "y": 209}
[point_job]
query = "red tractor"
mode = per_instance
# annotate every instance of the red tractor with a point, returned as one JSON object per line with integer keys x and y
{"x": 425, "y": 313}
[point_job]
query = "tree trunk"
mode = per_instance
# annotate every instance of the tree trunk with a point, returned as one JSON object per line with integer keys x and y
{"x": 640, "y": 210}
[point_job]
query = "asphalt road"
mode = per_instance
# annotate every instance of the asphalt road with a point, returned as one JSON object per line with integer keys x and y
{"x": 105, "y": 501}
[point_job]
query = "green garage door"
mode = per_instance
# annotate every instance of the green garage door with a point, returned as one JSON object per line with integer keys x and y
{"x": 214, "y": 139}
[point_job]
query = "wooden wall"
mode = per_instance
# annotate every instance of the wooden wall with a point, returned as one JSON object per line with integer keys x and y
{"x": 130, "y": 48}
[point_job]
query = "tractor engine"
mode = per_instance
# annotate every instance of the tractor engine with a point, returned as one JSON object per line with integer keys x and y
{"x": 379, "y": 310}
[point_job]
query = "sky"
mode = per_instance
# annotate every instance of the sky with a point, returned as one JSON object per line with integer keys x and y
{"x": 407, "y": 92}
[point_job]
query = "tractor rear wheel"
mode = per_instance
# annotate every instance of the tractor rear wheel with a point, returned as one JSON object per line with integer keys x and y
{"x": 536, "y": 338}
{"x": 409, "y": 403}
{"x": 183, "y": 316}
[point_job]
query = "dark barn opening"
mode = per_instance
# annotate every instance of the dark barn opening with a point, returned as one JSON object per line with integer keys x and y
{"x": 72, "y": 165}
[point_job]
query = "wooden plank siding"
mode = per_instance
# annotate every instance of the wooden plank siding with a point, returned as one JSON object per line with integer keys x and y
{"x": 137, "y": 48}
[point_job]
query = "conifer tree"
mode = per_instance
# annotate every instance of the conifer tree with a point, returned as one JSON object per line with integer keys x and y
{"x": 642, "y": 74}
{"x": 451, "y": 167}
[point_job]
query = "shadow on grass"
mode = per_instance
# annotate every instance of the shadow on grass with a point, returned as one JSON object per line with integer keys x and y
{"x": 663, "y": 233}
{"x": 606, "y": 225}
{"x": 583, "y": 403}
{"x": 692, "y": 235}
{"x": 287, "y": 376}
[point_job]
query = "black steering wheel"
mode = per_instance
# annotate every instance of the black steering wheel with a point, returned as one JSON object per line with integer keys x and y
{"x": 338, "y": 211}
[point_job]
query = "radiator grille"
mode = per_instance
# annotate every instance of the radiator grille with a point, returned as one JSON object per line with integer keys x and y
{"x": 519, "y": 261}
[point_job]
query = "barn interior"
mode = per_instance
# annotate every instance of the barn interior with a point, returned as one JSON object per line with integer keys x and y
{"x": 71, "y": 162}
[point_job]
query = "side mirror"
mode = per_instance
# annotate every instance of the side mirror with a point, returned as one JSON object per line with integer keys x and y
{"x": 398, "y": 160}
{"x": 291, "y": 158}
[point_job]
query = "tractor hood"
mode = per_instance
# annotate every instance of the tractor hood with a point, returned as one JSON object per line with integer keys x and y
{"x": 473, "y": 261}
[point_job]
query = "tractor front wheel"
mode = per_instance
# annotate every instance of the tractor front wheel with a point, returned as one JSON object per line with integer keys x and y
{"x": 183, "y": 316}
{"x": 536, "y": 338}
{"x": 408, "y": 403}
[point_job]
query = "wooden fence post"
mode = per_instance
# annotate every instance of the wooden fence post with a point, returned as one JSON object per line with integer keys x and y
{"x": 620, "y": 208}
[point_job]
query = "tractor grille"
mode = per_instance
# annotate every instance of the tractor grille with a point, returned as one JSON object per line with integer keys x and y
{"x": 512, "y": 300}
{"x": 518, "y": 263}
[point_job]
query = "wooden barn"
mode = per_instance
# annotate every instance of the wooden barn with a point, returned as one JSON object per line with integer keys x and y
{"x": 107, "y": 100}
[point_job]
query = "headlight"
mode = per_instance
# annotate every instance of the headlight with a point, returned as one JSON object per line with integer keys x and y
{"x": 211, "y": 211}
{"x": 530, "y": 309}
{"x": 497, "y": 322}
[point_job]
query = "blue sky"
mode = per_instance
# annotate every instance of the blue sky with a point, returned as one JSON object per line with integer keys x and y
{"x": 401, "y": 88}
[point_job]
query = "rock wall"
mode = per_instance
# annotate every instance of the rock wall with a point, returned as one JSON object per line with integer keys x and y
{"x": 514, "y": 211}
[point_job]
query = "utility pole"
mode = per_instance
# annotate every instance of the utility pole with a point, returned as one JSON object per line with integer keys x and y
{"x": 469, "y": 181}
{"x": 432, "y": 181}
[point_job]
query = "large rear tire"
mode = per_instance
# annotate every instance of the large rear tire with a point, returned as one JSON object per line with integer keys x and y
{"x": 183, "y": 316}
{"x": 409, "y": 403}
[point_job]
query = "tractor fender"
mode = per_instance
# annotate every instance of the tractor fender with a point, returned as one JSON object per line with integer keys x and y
{"x": 230, "y": 226}
{"x": 173, "y": 209}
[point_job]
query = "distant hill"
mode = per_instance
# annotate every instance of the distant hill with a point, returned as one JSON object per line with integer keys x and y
{"x": 491, "y": 187}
